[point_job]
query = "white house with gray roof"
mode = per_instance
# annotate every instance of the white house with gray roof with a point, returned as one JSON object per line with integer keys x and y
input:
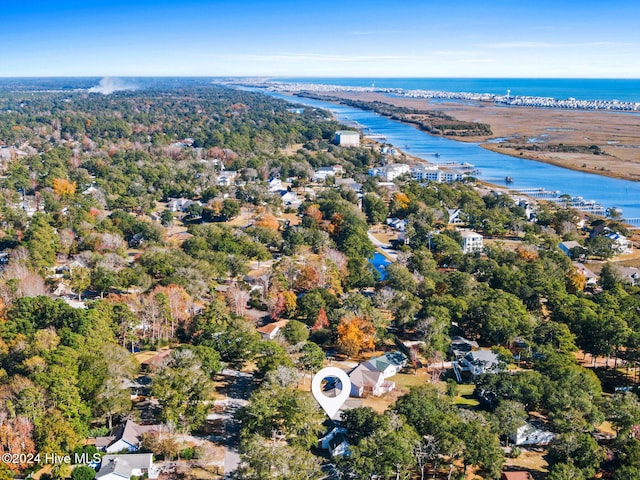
{"x": 123, "y": 467}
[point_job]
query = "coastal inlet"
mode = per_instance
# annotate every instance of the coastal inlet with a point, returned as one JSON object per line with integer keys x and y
{"x": 494, "y": 167}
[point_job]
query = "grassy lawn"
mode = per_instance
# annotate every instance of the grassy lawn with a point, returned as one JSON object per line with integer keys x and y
{"x": 409, "y": 380}
{"x": 464, "y": 394}
{"x": 531, "y": 461}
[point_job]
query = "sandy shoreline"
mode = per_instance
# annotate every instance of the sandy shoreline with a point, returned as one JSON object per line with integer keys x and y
{"x": 615, "y": 134}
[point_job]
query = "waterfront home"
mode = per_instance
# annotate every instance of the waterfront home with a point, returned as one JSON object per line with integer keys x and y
{"x": 426, "y": 172}
{"x": 471, "y": 241}
{"x": 124, "y": 467}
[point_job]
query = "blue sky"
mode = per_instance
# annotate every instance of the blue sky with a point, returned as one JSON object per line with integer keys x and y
{"x": 424, "y": 38}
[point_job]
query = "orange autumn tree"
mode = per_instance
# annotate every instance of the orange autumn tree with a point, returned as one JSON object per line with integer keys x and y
{"x": 64, "y": 188}
{"x": 355, "y": 334}
{"x": 321, "y": 322}
{"x": 267, "y": 220}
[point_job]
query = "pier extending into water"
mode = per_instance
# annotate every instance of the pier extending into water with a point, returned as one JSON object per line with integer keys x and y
{"x": 577, "y": 203}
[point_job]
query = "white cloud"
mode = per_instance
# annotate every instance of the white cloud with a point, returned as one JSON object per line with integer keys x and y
{"x": 535, "y": 44}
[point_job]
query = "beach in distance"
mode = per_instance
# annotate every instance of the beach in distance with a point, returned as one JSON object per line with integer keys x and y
{"x": 602, "y": 142}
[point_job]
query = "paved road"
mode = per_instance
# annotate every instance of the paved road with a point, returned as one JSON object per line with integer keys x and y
{"x": 389, "y": 252}
{"x": 239, "y": 391}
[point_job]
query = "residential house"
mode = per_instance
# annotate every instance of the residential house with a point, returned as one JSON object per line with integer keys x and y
{"x": 227, "y": 177}
{"x": 350, "y": 184}
{"x": 590, "y": 277}
{"x": 369, "y": 378}
{"x": 566, "y": 247}
{"x": 397, "y": 224}
{"x": 366, "y": 381}
{"x": 271, "y": 330}
{"x": 181, "y": 204}
{"x": 529, "y": 434}
{"x": 621, "y": 244}
{"x": 629, "y": 274}
{"x": 478, "y": 362}
{"x": 455, "y": 216}
{"x": 290, "y": 199}
{"x": 336, "y": 442}
{"x": 125, "y": 437}
{"x": 275, "y": 185}
{"x": 123, "y": 467}
{"x": 471, "y": 241}
{"x": 323, "y": 173}
{"x": 460, "y": 346}
{"x": 389, "y": 364}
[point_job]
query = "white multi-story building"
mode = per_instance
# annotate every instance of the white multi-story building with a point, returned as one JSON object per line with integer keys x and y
{"x": 390, "y": 172}
{"x": 347, "y": 138}
{"x": 425, "y": 172}
{"x": 428, "y": 172}
{"x": 471, "y": 241}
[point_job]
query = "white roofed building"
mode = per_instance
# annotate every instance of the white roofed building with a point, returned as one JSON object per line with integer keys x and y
{"x": 471, "y": 241}
{"x": 347, "y": 138}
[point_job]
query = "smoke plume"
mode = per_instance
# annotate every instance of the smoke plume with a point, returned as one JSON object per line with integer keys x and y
{"x": 109, "y": 85}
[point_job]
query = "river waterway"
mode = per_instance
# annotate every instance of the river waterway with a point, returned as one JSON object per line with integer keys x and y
{"x": 494, "y": 167}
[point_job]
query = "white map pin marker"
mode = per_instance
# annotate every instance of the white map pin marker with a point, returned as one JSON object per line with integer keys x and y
{"x": 331, "y": 405}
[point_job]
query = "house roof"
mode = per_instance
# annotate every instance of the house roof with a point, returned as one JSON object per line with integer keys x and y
{"x": 157, "y": 359}
{"x": 396, "y": 358}
{"x": 460, "y": 341}
{"x": 569, "y": 245}
{"x": 130, "y": 432}
{"x": 481, "y": 356}
{"x": 337, "y": 440}
{"x": 123, "y": 465}
{"x": 469, "y": 234}
{"x": 364, "y": 376}
{"x": 269, "y": 328}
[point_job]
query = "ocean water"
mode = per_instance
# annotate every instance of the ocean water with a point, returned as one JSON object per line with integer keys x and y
{"x": 626, "y": 90}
